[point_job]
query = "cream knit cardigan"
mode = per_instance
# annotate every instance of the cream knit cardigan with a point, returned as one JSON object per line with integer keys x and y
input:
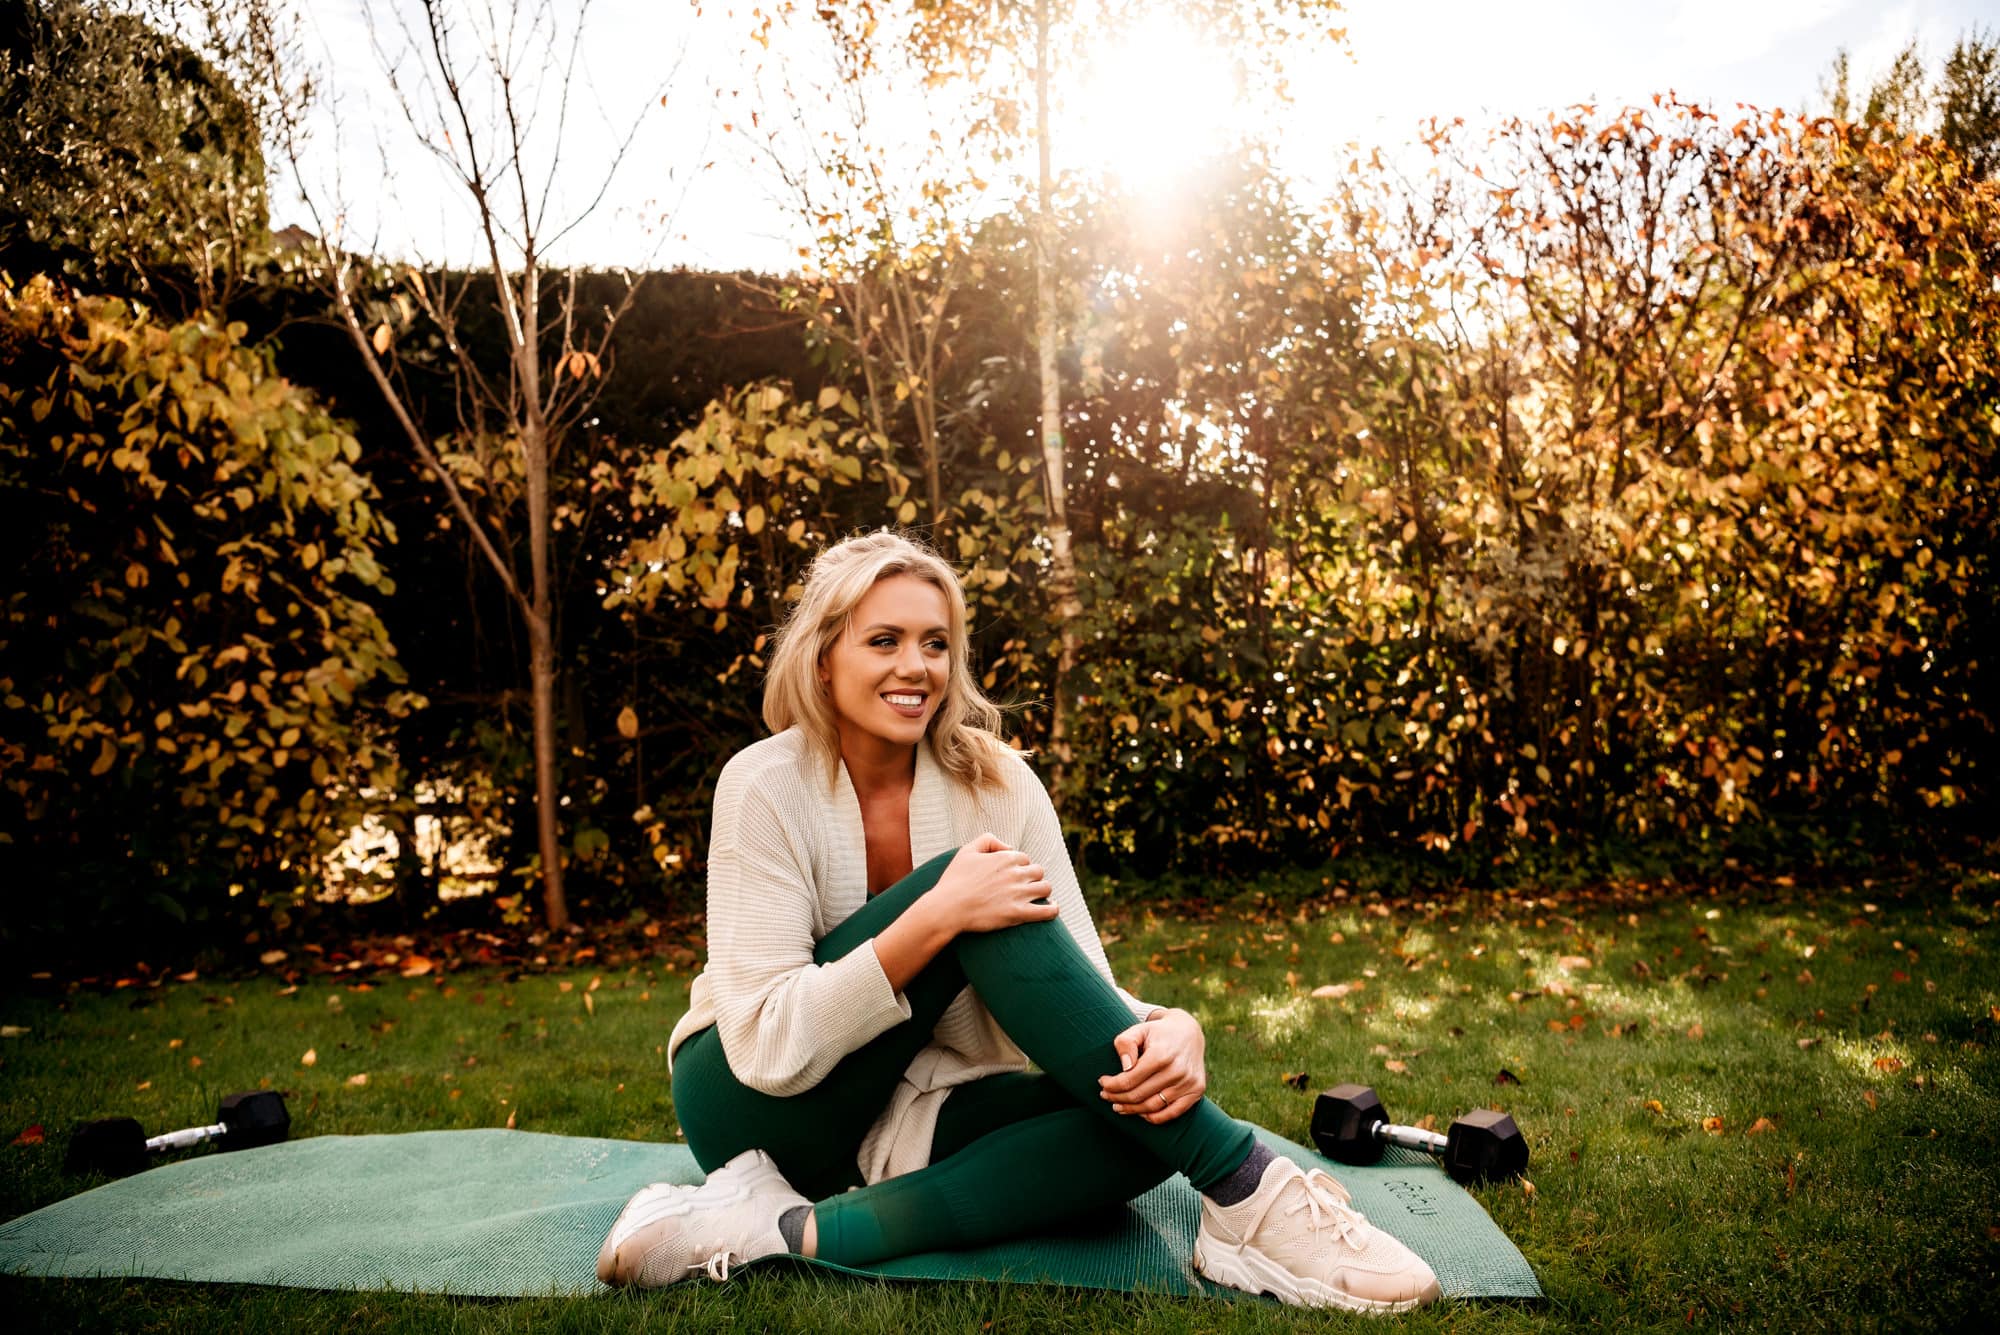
{"x": 786, "y": 864}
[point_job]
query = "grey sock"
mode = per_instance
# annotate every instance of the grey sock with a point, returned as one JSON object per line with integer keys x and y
{"x": 1239, "y": 1184}
{"x": 792, "y": 1227}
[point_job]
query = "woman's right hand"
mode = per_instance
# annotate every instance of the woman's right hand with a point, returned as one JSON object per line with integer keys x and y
{"x": 989, "y": 886}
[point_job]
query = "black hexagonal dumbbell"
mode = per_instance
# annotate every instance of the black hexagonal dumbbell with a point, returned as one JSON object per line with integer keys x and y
{"x": 118, "y": 1145}
{"x": 1350, "y": 1124}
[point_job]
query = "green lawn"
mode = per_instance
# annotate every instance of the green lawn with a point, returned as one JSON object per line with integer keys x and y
{"x": 1776, "y": 1109}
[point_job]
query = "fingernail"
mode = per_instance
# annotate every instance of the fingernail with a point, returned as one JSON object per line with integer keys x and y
{"x": 1125, "y": 1062}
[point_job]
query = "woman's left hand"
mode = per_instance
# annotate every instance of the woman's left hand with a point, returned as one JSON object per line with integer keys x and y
{"x": 1166, "y": 1071}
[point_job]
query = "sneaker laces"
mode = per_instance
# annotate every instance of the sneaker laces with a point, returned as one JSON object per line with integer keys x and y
{"x": 1328, "y": 1204}
{"x": 717, "y": 1266}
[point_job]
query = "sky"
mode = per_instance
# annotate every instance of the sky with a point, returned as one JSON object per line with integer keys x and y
{"x": 690, "y": 193}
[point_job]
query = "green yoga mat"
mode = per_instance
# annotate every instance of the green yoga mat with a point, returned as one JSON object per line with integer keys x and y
{"x": 511, "y": 1213}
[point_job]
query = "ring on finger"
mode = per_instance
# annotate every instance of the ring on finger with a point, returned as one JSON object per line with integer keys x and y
{"x": 1163, "y": 1099}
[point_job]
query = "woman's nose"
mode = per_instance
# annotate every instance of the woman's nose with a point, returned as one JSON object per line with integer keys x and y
{"x": 910, "y": 661}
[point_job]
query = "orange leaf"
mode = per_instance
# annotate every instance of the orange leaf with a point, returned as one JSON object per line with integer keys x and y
{"x": 1868, "y": 1097}
{"x": 1695, "y": 1030}
{"x": 416, "y": 965}
{"x": 510, "y": 1119}
{"x": 1395, "y": 1066}
{"x": 1889, "y": 1064}
{"x": 1655, "y": 1106}
{"x": 1712, "y": 1125}
{"x": 30, "y": 1136}
{"x": 1760, "y": 1126}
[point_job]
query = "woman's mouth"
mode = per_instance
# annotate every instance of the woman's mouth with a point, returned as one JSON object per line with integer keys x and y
{"x": 910, "y": 704}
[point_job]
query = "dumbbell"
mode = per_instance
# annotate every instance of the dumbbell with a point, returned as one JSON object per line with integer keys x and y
{"x": 118, "y": 1146}
{"x": 1350, "y": 1124}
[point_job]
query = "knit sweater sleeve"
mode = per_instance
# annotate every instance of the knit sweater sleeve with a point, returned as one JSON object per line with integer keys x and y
{"x": 784, "y": 1021}
{"x": 1042, "y": 841}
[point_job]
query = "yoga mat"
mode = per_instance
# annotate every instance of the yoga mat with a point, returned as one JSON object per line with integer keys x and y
{"x": 514, "y": 1213}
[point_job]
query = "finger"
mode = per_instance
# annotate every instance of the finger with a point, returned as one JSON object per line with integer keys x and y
{"x": 1128, "y": 1044}
{"x": 1032, "y": 872}
{"x": 1145, "y": 1095}
{"x": 988, "y": 843}
{"x": 1179, "y": 1107}
{"x": 1149, "y": 1068}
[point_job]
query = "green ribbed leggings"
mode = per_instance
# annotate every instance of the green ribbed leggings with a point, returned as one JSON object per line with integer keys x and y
{"x": 1013, "y": 1154}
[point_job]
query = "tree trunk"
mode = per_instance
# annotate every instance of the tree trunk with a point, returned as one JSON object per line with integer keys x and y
{"x": 541, "y": 623}
{"x": 1062, "y": 565}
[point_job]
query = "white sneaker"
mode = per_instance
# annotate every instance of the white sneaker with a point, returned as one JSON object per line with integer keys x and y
{"x": 667, "y": 1233}
{"x": 1298, "y": 1239}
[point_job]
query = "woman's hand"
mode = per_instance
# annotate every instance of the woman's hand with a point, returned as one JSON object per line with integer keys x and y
{"x": 990, "y": 886}
{"x": 1166, "y": 1069}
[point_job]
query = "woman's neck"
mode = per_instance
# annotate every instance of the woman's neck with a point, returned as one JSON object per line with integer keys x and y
{"x": 875, "y": 765}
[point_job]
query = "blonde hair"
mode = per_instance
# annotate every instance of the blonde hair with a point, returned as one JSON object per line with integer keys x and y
{"x": 964, "y": 733}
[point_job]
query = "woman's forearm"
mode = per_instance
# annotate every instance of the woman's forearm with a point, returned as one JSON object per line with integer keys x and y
{"x": 906, "y": 945}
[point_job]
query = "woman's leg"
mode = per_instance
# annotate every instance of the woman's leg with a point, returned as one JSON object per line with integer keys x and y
{"x": 993, "y": 1136}
{"x": 1037, "y": 984}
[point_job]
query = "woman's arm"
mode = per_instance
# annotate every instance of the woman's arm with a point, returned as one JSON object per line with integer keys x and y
{"x": 987, "y": 886}
{"x": 784, "y": 1020}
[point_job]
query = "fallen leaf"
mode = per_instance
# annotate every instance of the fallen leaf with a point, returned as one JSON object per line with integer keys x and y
{"x": 194, "y": 1063}
{"x": 142, "y": 1086}
{"x": 1760, "y": 1126}
{"x": 1807, "y": 1043}
{"x": 30, "y": 1136}
{"x": 565, "y": 986}
{"x": 1337, "y": 990}
{"x": 358, "y": 1080}
{"x": 1695, "y": 1030}
{"x": 416, "y": 966}
{"x": 510, "y": 1119}
{"x": 1296, "y": 1079}
{"x": 1398, "y": 1068}
{"x": 1574, "y": 962}
{"x": 173, "y": 1043}
{"x": 270, "y": 957}
{"x": 1712, "y": 1125}
{"x": 1506, "y": 1077}
{"x": 311, "y": 1057}
{"x": 590, "y": 1003}
{"x": 14, "y": 1031}
{"x": 1868, "y": 1097}
{"x": 1889, "y": 1064}
{"x": 1655, "y": 1106}
{"x": 1527, "y": 1187}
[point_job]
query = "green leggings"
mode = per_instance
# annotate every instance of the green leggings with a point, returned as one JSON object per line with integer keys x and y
{"x": 1013, "y": 1154}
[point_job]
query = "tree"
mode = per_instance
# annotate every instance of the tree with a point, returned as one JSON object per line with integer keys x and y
{"x": 130, "y": 164}
{"x": 1961, "y": 105}
{"x": 492, "y": 94}
{"x": 987, "y": 46}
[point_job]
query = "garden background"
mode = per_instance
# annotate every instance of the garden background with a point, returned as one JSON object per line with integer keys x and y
{"x": 1599, "y": 503}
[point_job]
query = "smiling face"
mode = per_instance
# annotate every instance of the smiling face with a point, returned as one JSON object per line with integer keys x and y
{"x": 887, "y": 668}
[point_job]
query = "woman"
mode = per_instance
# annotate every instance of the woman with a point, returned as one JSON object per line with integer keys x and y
{"x": 894, "y": 932}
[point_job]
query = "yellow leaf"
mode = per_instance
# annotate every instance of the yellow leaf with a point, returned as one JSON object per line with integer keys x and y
{"x": 1655, "y": 1106}
{"x": 753, "y": 520}
{"x": 1399, "y": 1068}
{"x": 271, "y": 957}
{"x": 510, "y": 1119}
{"x": 829, "y": 395}
{"x": 628, "y": 723}
{"x": 358, "y": 1080}
{"x": 381, "y": 338}
{"x": 311, "y": 1058}
{"x": 590, "y": 1003}
{"x": 106, "y": 758}
{"x": 1712, "y": 1125}
{"x": 906, "y": 512}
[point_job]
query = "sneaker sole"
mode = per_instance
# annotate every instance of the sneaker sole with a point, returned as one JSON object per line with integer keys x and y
{"x": 1243, "y": 1268}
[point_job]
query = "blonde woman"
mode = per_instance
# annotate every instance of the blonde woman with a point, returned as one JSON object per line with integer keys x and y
{"x": 894, "y": 934}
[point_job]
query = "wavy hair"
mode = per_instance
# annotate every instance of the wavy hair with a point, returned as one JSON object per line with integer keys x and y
{"x": 965, "y": 731}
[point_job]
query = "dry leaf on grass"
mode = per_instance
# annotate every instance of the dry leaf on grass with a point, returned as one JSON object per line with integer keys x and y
{"x": 1712, "y": 1125}
{"x": 358, "y": 1080}
{"x": 30, "y": 1136}
{"x": 311, "y": 1058}
{"x": 1889, "y": 1064}
{"x": 1760, "y": 1126}
{"x": 1398, "y": 1068}
{"x": 510, "y": 1119}
{"x": 416, "y": 966}
{"x": 1655, "y": 1106}
{"x": 1337, "y": 990}
{"x": 271, "y": 957}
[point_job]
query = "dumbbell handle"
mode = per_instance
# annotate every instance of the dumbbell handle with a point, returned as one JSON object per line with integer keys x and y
{"x": 180, "y": 1140}
{"x": 1410, "y": 1137}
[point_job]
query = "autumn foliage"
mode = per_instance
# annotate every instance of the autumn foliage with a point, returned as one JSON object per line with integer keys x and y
{"x": 196, "y": 682}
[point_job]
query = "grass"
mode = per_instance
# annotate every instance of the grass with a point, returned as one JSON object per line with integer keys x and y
{"x": 1777, "y": 1109}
